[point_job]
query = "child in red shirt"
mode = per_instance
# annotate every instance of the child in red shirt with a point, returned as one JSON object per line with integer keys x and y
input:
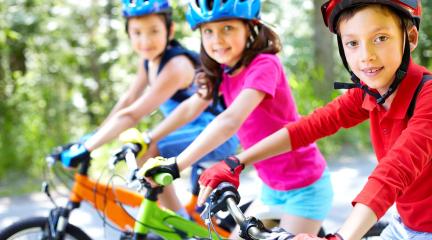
{"x": 375, "y": 39}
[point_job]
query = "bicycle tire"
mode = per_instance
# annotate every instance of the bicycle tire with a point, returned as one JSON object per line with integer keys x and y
{"x": 33, "y": 228}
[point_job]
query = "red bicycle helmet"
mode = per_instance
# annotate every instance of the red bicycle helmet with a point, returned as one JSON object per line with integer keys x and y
{"x": 331, "y": 9}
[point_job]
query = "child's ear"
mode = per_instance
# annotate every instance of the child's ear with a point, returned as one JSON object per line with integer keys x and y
{"x": 172, "y": 31}
{"x": 413, "y": 36}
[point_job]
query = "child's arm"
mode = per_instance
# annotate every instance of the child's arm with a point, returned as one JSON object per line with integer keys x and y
{"x": 361, "y": 219}
{"x": 275, "y": 144}
{"x": 221, "y": 128}
{"x": 345, "y": 111}
{"x": 187, "y": 111}
{"x": 171, "y": 79}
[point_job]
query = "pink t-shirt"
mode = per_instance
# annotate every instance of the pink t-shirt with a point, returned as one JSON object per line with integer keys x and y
{"x": 287, "y": 171}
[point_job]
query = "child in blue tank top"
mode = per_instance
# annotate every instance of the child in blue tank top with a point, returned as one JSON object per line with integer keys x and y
{"x": 164, "y": 79}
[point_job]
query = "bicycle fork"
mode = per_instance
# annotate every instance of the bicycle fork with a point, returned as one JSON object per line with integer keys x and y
{"x": 58, "y": 218}
{"x": 57, "y": 222}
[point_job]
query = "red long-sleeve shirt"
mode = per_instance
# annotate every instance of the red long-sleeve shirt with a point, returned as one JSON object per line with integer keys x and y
{"x": 403, "y": 146}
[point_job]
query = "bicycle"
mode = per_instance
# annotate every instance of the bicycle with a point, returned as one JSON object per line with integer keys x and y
{"x": 110, "y": 202}
{"x": 226, "y": 198}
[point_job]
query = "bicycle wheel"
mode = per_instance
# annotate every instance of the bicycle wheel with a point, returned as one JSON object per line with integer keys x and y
{"x": 34, "y": 228}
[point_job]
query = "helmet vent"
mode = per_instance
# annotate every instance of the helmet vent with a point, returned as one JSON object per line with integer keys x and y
{"x": 209, "y": 4}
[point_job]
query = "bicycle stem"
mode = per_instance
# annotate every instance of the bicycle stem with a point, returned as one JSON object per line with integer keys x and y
{"x": 253, "y": 231}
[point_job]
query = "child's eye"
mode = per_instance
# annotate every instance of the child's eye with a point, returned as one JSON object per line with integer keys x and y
{"x": 381, "y": 39}
{"x": 351, "y": 44}
{"x": 136, "y": 33}
{"x": 207, "y": 31}
{"x": 228, "y": 28}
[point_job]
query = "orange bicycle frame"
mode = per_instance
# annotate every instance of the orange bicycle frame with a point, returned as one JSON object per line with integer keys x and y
{"x": 106, "y": 199}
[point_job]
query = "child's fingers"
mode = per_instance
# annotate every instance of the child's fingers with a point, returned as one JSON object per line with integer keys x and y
{"x": 203, "y": 194}
{"x": 151, "y": 181}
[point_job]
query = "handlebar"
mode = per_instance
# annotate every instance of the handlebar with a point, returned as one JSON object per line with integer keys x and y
{"x": 226, "y": 197}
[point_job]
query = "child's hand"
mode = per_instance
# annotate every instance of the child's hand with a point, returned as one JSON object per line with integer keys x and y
{"x": 157, "y": 165}
{"x": 227, "y": 170}
{"x": 74, "y": 155}
{"x": 133, "y": 135}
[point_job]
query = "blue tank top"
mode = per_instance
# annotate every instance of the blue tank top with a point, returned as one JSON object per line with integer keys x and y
{"x": 175, "y": 49}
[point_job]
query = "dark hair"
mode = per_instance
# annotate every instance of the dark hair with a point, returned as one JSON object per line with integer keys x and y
{"x": 167, "y": 17}
{"x": 406, "y": 21}
{"x": 264, "y": 40}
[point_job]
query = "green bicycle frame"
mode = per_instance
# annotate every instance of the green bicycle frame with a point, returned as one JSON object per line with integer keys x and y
{"x": 164, "y": 222}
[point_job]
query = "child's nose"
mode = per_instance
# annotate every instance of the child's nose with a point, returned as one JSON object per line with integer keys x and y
{"x": 217, "y": 37}
{"x": 367, "y": 53}
{"x": 144, "y": 39}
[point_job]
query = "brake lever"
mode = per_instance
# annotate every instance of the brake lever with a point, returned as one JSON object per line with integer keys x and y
{"x": 218, "y": 199}
{"x": 127, "y": 151}
{"x": 116, "y": 158}
{"x": 205, "y": 213}
{"x": 50, "y": 160}
{"x": 134, "y": 182}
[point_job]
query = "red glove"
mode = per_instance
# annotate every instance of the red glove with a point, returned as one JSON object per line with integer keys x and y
{"x": 304, "y": 236}
{"x": 227, "y": 170}
{"x": 334, "y": 236}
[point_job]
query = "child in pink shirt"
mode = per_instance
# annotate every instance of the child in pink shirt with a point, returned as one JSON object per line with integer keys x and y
{"x": 287, "y": 171}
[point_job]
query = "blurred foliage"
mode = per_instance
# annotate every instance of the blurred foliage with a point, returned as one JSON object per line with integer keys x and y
{"x": 64, "y": 63}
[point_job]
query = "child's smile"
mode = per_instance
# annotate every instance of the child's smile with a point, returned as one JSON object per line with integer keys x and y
{"x": 221, "y": 52}
{"x": 372, "y": 71}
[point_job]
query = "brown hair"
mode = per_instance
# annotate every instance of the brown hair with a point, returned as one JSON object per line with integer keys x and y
{"x": 265, "y": 41}
{"x": 406, "y": 21}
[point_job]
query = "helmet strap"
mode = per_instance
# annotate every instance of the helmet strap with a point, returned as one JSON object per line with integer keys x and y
{"x": 400, "y": 72}
{"x": 216, "y": 97}
{"x": 230, "y": 70}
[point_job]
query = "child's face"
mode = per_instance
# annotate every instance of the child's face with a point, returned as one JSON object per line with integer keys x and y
{"x": 373, "y": 43}
{"x": 148, "y": 35}
{"x": 224, "y": 41}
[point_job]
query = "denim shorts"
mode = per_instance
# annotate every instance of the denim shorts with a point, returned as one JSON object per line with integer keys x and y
{"x": 396, "y": 230}
{"x": 312, "y": 202}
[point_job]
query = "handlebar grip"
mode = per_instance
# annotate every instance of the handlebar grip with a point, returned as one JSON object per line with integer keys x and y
{"x": 163, "y": 179}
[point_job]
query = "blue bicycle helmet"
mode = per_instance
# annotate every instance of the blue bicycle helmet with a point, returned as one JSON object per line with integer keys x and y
{"x": 136, "y": 8}
{"x": 202, "y": 11}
